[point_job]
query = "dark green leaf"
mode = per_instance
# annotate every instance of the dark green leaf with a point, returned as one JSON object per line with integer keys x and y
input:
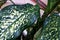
{"x": 16, "y": 18}
{"x": 50, "y": 7}
{"x": 51, "y": 28}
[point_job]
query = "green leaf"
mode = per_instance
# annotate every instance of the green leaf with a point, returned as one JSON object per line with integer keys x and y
{"x": 51, "y": 28}
{"x": 16, "y": 18}
{"x": 51, "y": 5}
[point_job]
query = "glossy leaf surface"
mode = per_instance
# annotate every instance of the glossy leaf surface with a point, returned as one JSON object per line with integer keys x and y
{"x": 16, "y": 18}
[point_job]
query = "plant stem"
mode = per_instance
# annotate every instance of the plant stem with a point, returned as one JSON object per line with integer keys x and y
{"x": 12, "y": 2}
{"x": 46, "y": 13}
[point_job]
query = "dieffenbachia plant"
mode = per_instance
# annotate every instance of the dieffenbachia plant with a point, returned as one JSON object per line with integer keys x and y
{"x": 16, "y": 18}
{"x": 51, "y": 19}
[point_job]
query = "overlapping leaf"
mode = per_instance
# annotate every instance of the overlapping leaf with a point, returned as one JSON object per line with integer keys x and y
{"x": 51, "y": 28}
{"x": 15, "y": 18}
